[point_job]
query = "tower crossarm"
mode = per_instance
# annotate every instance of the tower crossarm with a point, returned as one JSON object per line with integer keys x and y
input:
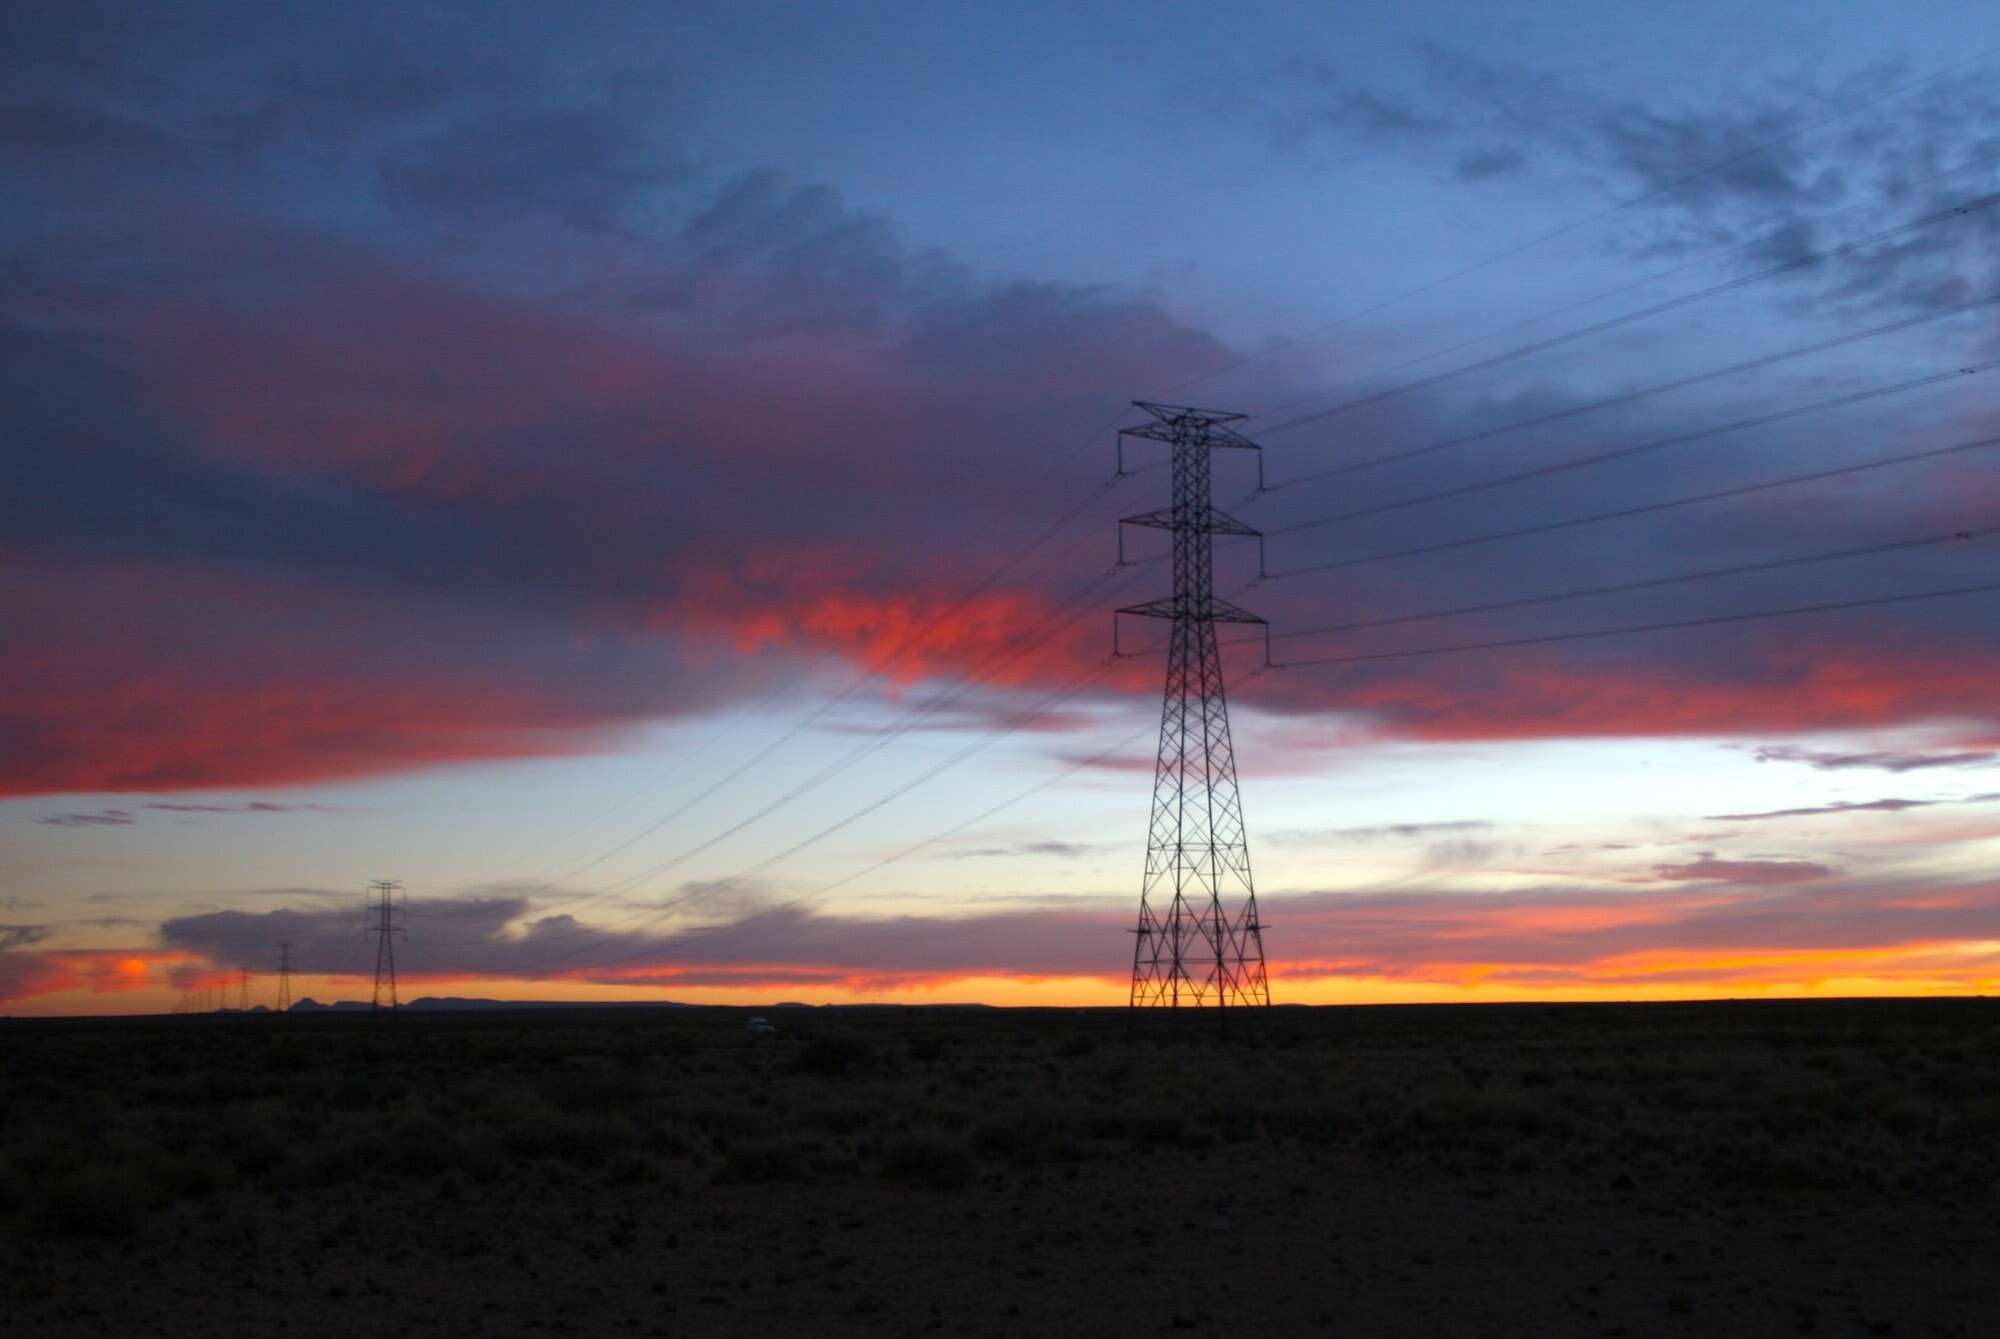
{"x": 1219, "y": 610}
{"x": 1169, "y": 417}
{"x": 1217, "y": 523}
{"x": 1183, "y": 426}
{"x": 1218, "y": 437}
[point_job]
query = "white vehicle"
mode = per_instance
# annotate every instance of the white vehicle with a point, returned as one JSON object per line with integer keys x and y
{"x": 761, "y": 1027}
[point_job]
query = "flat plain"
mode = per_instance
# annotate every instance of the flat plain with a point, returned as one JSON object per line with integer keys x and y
{"x": 1767, "y": 1168}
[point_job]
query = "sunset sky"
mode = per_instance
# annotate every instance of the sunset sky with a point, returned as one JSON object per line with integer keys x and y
{"x": 641, "y": 475}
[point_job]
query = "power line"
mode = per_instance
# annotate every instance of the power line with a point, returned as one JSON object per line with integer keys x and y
{"x": 1047, "y": 534}
{"x": 710, "y": 889}
{"x": 870, "y": 747}
{"x": 815, "y": 716}
{"x": 1069, "y": 516}
{"x": 1629, "y": 397}
{"x": 703, "y": 793}
{"x": 1625, "y": 587}
{"x": 1622, "y": 513}
{"x": 700, "y": 932}
{"x": 1199, "y": 941}
{"x": 1623, "y": 452}
{"x": 1073, "y": 513}
{"x": 1779, "y": 233}
{"x": 1584, "y": 222}
{"x": 1081, "y": 602}
{"x": 1613, "y": 322}
{"x": 1708, "y": 621}
{"x": 981, "y": 816}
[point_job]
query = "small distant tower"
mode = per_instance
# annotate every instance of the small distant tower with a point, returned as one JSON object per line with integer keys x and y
{"x": 382, "y": 901}
{"x": 242, "y": 990}
{"x": 284, "y": 977}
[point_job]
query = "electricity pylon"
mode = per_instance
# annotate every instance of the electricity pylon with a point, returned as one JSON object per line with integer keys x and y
{"x": 242, "y": 990}
{"x": 382, "y": 901}
{"x": 1199, "y": 941}
{"x": 284, "y": 977}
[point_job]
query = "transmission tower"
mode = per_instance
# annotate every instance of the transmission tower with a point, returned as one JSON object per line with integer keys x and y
{"x": 284, "y": 977}
{"x": 1199, "y": 941}
{"x": 242, "y": 990}
{"x": 382, "y": 895}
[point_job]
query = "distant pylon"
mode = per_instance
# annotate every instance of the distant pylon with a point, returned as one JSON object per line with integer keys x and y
{"x": 284, "y": 977}
{"x": 382, "y": 901}
{"x": 1199, "y": 941}
{"x": 242, "y": 990}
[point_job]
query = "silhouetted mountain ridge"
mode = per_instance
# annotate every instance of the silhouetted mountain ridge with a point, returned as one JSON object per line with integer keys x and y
{"x": 431, "y": 1003}
{"x": 439, "y": 1003}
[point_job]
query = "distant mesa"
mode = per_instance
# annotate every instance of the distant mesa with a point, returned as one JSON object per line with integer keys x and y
{"x": 309, "y": 1005}
{"x": 442, "y": 1003}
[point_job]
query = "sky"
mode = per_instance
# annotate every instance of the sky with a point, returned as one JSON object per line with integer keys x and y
{"x": 643, "y": 477}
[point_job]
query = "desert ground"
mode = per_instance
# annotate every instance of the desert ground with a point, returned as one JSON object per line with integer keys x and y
{"x": 1825, "y": 1168}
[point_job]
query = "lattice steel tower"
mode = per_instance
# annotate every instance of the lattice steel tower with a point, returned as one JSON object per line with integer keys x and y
{"x": 284, "y": 977}
{"x": 382, "y": 902}
{"x": 1199, "y": 941}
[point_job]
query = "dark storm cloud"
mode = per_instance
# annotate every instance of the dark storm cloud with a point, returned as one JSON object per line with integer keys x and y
{"x": 1306, "y": 100}
{"x": 280, "y": 457}
{"x": 329, "y": 939}
{"x": 1661, "y": 151}
{"x": 1876, "y": 760}
{"x": 1607, "y": 934}
{"x": 585, "y": 166}
{"x": 86, "y": 468}
{"x": 333, "y": 107}
{"x": 1488, "y": 113}
{"x": 797, "y": 227}
{"x": 317, "y": 458}
{"x": 1706, "y": 175}
{"x": 33, "y": 128}
{"x": 772, "y": 257}
{"x": 1480, "y": 164}
{"x": 159, "y": 93}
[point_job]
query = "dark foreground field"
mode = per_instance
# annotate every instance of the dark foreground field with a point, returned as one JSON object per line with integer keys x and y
{"x": 1764, "y": 1169}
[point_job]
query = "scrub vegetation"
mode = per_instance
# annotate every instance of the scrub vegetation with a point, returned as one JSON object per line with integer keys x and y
{"x": 472, "y": 1139}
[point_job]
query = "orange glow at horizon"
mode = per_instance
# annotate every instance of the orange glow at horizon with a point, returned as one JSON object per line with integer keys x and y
{"x": 1928, "y": 970}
